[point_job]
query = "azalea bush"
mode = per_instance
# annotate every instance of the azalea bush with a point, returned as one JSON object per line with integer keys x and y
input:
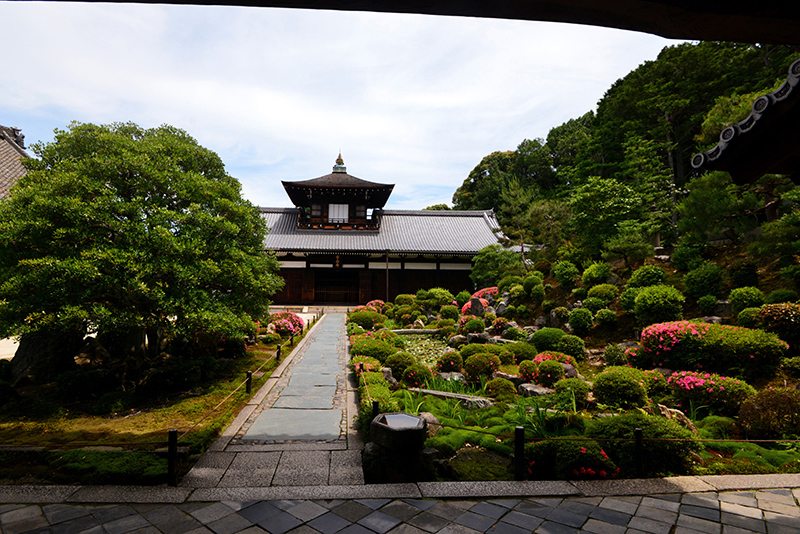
{"x": 366, "y": 318}
{"x": 720, "y": 395}
{"x": 287, "y": 323}
{"x": 374, "y": 348}
{"x": 485, "y": 292}
{"x": 480, "y": 365}
{"x": 364, "y": 364}
{"x": 568, "y": 459}
{"x": 450, "y": 362}
{"x": 729, "y": 350}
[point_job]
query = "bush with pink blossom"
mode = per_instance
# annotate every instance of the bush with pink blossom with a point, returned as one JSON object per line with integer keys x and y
{"x": 721, "y": 395}
{"x": 287, "y": 323}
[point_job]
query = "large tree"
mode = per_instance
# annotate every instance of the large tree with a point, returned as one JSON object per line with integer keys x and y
{"x": 137, "y": 235}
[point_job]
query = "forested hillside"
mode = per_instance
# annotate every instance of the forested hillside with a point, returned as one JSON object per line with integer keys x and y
{"x": 618, "y": 180}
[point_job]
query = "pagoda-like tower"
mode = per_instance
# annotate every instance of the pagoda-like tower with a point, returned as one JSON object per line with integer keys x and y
{"x": 338, "y": 200}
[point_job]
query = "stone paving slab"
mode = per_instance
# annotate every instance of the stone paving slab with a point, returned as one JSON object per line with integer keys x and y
{"x": 129, "y": 494}
{"x": 286, "y": 424}
{"x": 648, "y": 486}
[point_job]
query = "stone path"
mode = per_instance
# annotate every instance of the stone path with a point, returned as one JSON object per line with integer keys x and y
{"x": 772, "y": 511}
{"x": 295, "y": 430}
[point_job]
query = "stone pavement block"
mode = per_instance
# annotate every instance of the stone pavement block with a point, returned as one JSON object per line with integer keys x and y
{"x": 58, "y": 513}
{"x": 229, "y": 524}
{"x": 400, "y": 510}
{"x": 618, "y": 505}
{"x": 379, "y": 522}
{"x": 519, "y": 519}
{"x": 129, "y": 494}
{"x": 19, "y": 514}
{"x": 346, "y": 468}
{"x": 489, "y": 510}
{"x": 445, "y": 510}
{"x": 405, "y": 528}
{"x": 428, "y": 522}
{"x": 566, "y": 517}
{"x": 506, "y": 528}
{"x": 112, "y": 512}
{"x": 454, "y": 528}
{"x": 662, "y": 504}
{"x": 211, "y": 512}
{"x": 741, "y": 510}
{"x": 171, "y": 519}
{"x": 728, "y": 529}
{"x": 356, "y": 529}
{"x": 280, "y": 523}
{"x": 658, "y": 514}
{"x": 303, "y": 468}
{"x": 505, "y": 503}
{"x": 307, "y": 510}
{"x": 743, "y": 522}
{"x": 773, "y": 518}
{"x": 35, "y": 494}
{"x": 475, "y": 521}
{"x": 81, "y": 524}
{"x": 260, "y": 511}
{"x": 733, "y": 482}
{"x": 126, "y": 524}
{"x": 607, "y": 515}
{"x": 329, "y": 523}
{"x": 575, "y": 507}
{"x": 698, "y": 524}
{"x": 649, "y": 525}
{"x": 705, "y": 500}
{"x": 742, "y": 498}
{"x": 352, "y": 511}
{"x": 534, "y": 509}
{"x": 422, "y": 504}
{"x": 780, "y": 508}
{"x": 303, "y": 529}
{"x": 29, "y": 524}
{"x": 600, "y": 527}
{"x": 642, "y": 486}
{"x": 699, "y": 511}
{"x": 548, "y": 527}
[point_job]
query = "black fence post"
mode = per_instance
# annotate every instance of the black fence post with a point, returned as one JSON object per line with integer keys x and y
{"x": 172, "y": 458}
{"x": 291, "y": 344}
{"x": 249, "y": 383}
{"x": 519, "y": 453}
{"x": 376, "y": 409}
{"x": 637, "y": 433}
{"x": 278, "y": 355}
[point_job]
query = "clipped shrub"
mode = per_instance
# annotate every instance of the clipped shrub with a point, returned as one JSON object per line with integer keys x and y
{"x": 502, "y": 351}
{"x": 522, "y": 351}
{"x": 623, "y": 387}
{"x": 791, "y": 366}
{"x": 555, "y": 356}
{"x": 507, "y": 282}
{"x": 480, "y": 365}
{"x": 404, "y": 299}
{"x": 655, "y": 383}
{"x": 288, "y": 323}
{"x": 568, "y": 459}
{"x": 658, "y": 458}
{"x": 501, "y": 389}
{"x": 561, "y": 314}
{"x": 438, "y": 297}
{"x": 549, "y": 372}
{"x": 596, "y": 273}
{"x": 516, "y": 334}
{"x": 366, "y": 319}
{"x": 707, "y": 304}
{"x": 704, "y": 280}
{"x": 527, "y": 370}
{"x": 743, "y": 274}
{"x": 576, "y": 388}
{"x": 416, "y": 375}
{"x": 593, "y": 304}
{"x": 580, "y": 293}
{"x": 548, "y": 306}
{"x": 720, "y": 394}
{"x": 449, "y": 311}
{"x": 605, "y": 318}
{"x": 517, "y": 293}
{"x": 398, "y": 362}
{"x": 373, "y": 348}
{"x": 531, "y": 280}
{"x": 565, "y": 273}
{"x": 364, "y": 364}
{"x": 716, "y": 427}
{"x": 488, "y": 319}
{"x": 537, "y": 294}
{"x": 450, "y": 362}
{"x": 615, "y": 355}
{"x": 628, "y": 298}
{"x": 473, "y": 348}
{"x": 779, "y": 296}
{"x": 462, "y": 297}
{"x": 546, "y": 338}
{"x": 472, "y": 326}
{"x": 745, "y": 297}
{"x": 783, "y": 320}
{"x": 749, "y": 318}
{"x": 646, "y": 275}
{"x": 581, "y": 321}
{"x": 656, "y": 304}
{"x": 771, "y": 414}
{"x": 728, "y": 350}
{"x": 604, "y": 292}
{"x": 687, "y": 257}
{"x": 572, "y": 345}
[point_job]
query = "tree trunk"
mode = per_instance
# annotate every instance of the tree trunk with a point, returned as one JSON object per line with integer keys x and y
{"x": 41, "y": 356}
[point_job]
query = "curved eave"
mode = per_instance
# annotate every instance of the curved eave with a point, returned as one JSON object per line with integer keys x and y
{"x": 765, "y": 142}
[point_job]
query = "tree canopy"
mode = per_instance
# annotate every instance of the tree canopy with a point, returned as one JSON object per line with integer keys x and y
{"x": 129, "y": 232}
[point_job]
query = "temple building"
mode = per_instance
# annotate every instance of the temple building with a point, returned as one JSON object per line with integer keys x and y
{"x": 12, "y": 152}
{"x": 338, "y": 244}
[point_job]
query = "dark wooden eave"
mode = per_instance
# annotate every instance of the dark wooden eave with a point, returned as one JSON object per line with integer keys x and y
{"x": 703, "y": 20}
{"x": 766, "y": 142}
{"x": 338, "y": 187}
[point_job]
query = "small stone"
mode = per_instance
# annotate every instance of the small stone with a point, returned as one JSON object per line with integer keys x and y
{"x": 534, "y": 390}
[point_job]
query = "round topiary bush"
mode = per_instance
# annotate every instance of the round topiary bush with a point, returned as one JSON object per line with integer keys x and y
{"x": 374, "y": 348}
{"x": 527, "y": 371}
{"x": 749, "y": 318}
{"x": 593, "y": 304}
{"x": 522, "y": 351}
{"x": 581, "y": 321}
{"x": 416, "y": 375}
{"x": 398, "y": 362}
{"x": 448, "y": 311}
{"x": 658, "y": 458}
{"x": 480, "y": 365}
{"x": 707, "y": 304}
{"x": 745, "y": 297}
{"x": 628, "y": 298}
{"x": 720, "y": 394}
{"x": 565, "y": 273}
{"x": 472, "y": 326}
{"x": 605, "y": 318}
{"x": 783, "y": 320}
{"x": 572, "y": 345}
{"x": 472, "y": 348}
{"x": 623, "y": 387}
{"x": 537, "y": 294}
{"x": 771, "y": 414}
{"x": 596, "y": 273}
{"x": 450, "y": 362}
{"x": 614, "y": 355}
{"x": 658, "y": 304}
{"x": 516, "y": 334}
{"x": 645, "y": 276}
{"x": 604, "y": 292}
{"x": 687, "y": 257}
{"x": 546, "y": 338}
{"x": 704, "y": 280}
{"x": 549, "y": 372}
{"x": 462, "y": 297}
{"x": 781, "y": 295}
{"x": 574, "y": 388}
{"x": 501, "y": 389}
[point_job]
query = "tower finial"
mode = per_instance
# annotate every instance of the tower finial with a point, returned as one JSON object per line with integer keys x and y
{"x": 339, "y": 167}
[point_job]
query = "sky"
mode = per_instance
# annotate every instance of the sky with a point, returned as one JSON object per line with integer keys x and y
{"x": 412, "y": 100}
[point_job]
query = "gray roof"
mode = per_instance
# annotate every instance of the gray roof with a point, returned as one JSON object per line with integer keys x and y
{"x": 11, "y": 154}
{"x": 404, "y": 231}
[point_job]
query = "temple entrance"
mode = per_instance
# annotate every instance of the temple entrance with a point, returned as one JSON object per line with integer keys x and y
{"x": 336, "y": 287}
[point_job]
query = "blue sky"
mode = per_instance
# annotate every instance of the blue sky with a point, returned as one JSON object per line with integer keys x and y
{"x": 412, "y": 100}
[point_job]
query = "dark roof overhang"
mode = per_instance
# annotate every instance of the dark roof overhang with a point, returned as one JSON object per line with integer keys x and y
{"x": 338, "y": 186}
{"x": 766, "y": 142}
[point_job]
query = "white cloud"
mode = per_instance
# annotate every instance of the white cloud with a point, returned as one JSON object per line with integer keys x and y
{"x": 412, "y": 100}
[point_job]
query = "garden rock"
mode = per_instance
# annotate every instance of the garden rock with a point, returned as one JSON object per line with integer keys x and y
{"x": 540, "y": 322}
{"x": 679, "y": 417}
{"x": 387, "y": 375}
{"x": 483, "y": 338}
{"x": 501, "y": 309}
{"x": 724, "y": 308}
{"x": 534, "y": 390}
{"x": 713, "y": 319}
{"x": 93, "y": 354}
{"x": 516, "y": 380}
{"x": 458, "y": 377}
{"x": 476, "y": 307}
{"x": 419, "y": 324}
{"x": 456, "y": 341}
{"x": 490, "y": 309}
{"x": 433, "y": 424}
{"x": 569, "y": 370}
{"x": 476, "y": 403}
{"x": 43, "y": 356}
{"x": 661, "y": 257}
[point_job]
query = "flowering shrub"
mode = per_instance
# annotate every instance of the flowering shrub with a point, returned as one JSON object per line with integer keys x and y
{"x": 568, "y": 459}
{"x": 721, "y": 394}
{"x": 499, "y": 324}
{"x": 574, "y": 388}
{"x": 472, "y": 325}
{"x": 467, "y": 308}
{"x": 449, "y": 362}
{"x": 366, "y": 318}
{"x": 377, "y": 306}
{"x": 448, "y": 311}
{"x": 549, "y": 372}
{"x": 730, "y": 350}
{"x": 399, "y": 362}
{"x": 287, "y": 323}
{"x": 416, "y": 375}
{"x": 527, "y": 371}
{"x": 381, "y": 335}
{"x": 501, "y": 389}
{"x": 485, "y": 292}
{"x": 364, "y": 364}
{"x": 560, "y": 357}
{"x": 481, "y": 364}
